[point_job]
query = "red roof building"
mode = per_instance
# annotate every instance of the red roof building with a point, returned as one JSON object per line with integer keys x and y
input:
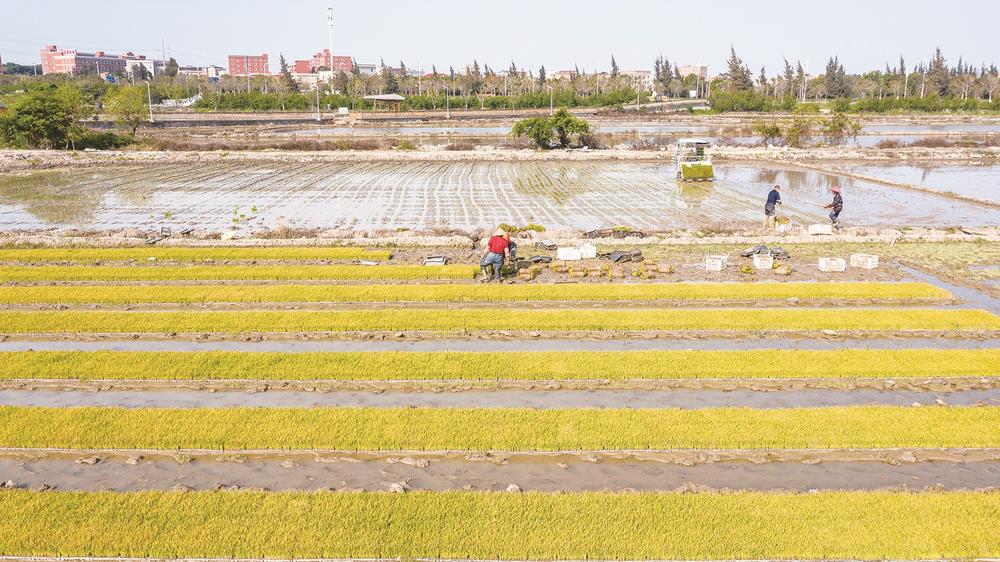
{"x": 241, "y": 65}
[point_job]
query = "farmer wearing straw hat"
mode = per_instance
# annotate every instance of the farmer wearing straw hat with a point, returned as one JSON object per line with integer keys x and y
{"x": 497, "y": 250}
{"x": 836, "y": 207}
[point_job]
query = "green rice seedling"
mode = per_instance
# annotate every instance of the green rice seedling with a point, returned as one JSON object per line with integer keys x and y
{"x": 234, "y": 272}
{"x": 500, "y": 429}
{"x": 187, "y": 254}
{"x": 501, "y": 526}
{"x": 443, "y": 321}
{"x": 542, "y": 366}
{"x": 885, "y": 292}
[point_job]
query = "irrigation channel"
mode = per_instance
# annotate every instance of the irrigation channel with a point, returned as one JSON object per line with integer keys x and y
{"x": 468, "y": 195}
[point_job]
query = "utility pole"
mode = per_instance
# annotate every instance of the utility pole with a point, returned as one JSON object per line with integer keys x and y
{"x": 447, "y": 101}
{"x": 246, "y": 68}
{"x": 329, "y": 23}
{"x": 552, "y": 101}
{"x": 319, "y": 119}
{"x": 923, "y": 83}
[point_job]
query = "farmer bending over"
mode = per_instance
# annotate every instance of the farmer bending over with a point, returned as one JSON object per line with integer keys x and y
{"x": 771, "y": 208}
{"x": 497, "y": 250}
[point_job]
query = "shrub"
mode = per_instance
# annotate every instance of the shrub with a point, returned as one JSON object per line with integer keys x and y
{"x": 562, "y": 125}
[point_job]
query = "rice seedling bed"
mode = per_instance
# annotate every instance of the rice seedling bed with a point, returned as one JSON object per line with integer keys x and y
{"x": 51, "y": 273}
{"x": 446, "y": 320}
{"x": 188, "y": 254}
{"x": 501, "y": 526}
{"x": 175, "y": 294}
{"x": 528, "y": 366}
{"x": 497, "y": 429}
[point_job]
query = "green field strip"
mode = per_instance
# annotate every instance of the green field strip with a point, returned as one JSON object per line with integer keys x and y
{"x": 58, "y": 294}
{"x": 24, "y": 274}
{"x": 447, "y": 320}
{"x": 566, "y": 365}
{"x": 500, "y": 429}
{"x": 188, "y": 254}
{"x": 502, "y": 526}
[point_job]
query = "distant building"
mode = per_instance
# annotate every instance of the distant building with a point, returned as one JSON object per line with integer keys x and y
{"x": 71, "y": 61}
{"x": 302, "y": 67}
{"x": 686, "y": 70}
{"x": 241, "y": 65}
{"x": 564, "y": 75}
{"x": 643, "y": 78}
{"x": 367, "y": 69}
{"x": 210, "y": 71}
{"x": 133, "y": 64}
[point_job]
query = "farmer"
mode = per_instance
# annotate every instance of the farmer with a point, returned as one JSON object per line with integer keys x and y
{"x": 836, "y": 207}
{"x": 770, "y": 208}
{"x": 497, "y": 250}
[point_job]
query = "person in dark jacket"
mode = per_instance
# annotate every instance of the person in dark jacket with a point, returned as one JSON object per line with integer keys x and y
{"x": 836, "y": 207}
{"x": 771, "y": 208}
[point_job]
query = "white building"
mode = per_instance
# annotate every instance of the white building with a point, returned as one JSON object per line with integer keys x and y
{"x": 153, "y": 68}
{"x": 642, "y": 78}
{"x": 699, "y": 70}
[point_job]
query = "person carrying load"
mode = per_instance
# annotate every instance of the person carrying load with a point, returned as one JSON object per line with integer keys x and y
{"x": 836, "y": 207}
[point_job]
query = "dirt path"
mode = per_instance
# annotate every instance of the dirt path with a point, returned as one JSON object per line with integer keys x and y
{"x": 550, "y": 474}
{"x": 537, "y": 399}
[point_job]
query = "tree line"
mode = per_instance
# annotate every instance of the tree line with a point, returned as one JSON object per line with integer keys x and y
{"x": 932, "y": 85}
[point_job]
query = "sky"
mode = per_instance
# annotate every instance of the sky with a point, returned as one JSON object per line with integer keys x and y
{"x": 559, "y": 34}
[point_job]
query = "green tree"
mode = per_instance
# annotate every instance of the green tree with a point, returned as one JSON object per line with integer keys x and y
{"x": 562, "y": 126}
{"x": 538, "y": 129}
{"x": 541, "y": 76}
{"x": 614, "y": 67}
{"x": 171, "y": 68}
{"x": 128, "y": 106}
{"x": 43, "y": 118}
{"x": 286, "y": 75}
{"x": 739, "y": 76}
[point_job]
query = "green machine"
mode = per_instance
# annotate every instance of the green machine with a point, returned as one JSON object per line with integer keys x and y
{"x": 693, "y": 164}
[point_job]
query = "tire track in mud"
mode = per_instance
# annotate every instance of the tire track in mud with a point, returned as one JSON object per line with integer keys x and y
{"x": 559, "y": 473}
{"x": 535, "y": 399}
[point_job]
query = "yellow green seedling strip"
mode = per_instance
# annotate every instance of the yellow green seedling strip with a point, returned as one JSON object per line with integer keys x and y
{"x": 447, "y": 320}
{"x": 501, "y": 526}
{"x": 233, "y": 273}
{"x": 499, "y": 429}
{"x": 85, "y": 255}
{"x": 567, "y": 365}
{"x": 57, "y": 294}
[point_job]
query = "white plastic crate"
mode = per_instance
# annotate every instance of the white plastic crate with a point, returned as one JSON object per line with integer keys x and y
{"x": 715, "y": 263}
{"x": 832, "y": 265}
{"x": 569, "y": 254}
{"x": 763, "y": 261}
{"x": 588, "y": 251}
{"x": 817, "y": 229}
{"x": 864, "y": 261}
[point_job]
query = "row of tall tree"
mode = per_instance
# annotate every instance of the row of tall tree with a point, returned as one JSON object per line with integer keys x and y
{"x": 934, "y": 77}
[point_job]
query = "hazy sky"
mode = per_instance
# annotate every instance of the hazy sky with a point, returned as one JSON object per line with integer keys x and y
{"x": 556, "y": 33}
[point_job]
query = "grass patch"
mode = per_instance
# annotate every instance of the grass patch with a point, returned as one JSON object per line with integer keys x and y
{"x": 498, "y": 526}
{"x": 85, "y": 255}
{"x": 469, "y": 293}
{"x": 735, "y": 319}
{"x": 502, "y": 429}
{"x": 571, "y": 365}
{"x": 234, "y": 272}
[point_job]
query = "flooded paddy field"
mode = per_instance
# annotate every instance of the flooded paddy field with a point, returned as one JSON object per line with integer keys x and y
{"x": 454, "y": 195}
{"x": 980, "y": 182}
